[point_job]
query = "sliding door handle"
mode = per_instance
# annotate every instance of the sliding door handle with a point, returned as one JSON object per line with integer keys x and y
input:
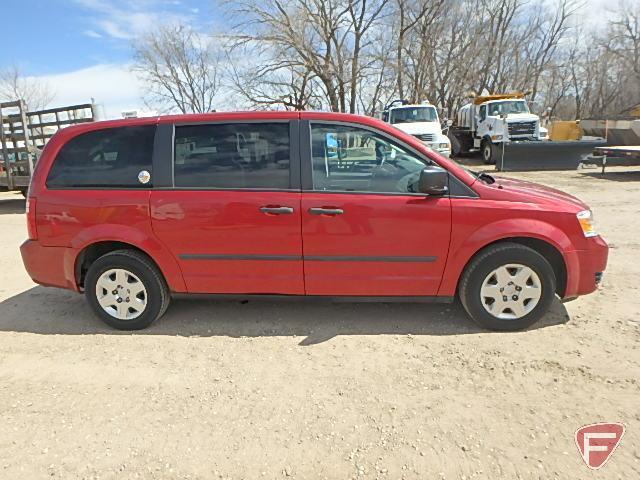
{"x": 326, "y": 211}
{"x": 276, "y": 210}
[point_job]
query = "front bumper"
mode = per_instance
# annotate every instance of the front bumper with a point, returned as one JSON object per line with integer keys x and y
{"x": 445, "y": 152}
{"x": 586, "y": 268}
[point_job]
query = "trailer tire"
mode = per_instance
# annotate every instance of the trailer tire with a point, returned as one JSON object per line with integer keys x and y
{"x": 488, "y": 152}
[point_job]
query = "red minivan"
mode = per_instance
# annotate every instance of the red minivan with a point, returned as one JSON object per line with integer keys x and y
{"x": 290, "y": 204}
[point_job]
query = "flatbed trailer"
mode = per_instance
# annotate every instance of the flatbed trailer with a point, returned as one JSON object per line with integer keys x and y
{"x": 23, "y": 134}
{"x": 618, "y": 155}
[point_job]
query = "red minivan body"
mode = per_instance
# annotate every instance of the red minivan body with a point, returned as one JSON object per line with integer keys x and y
{"x": 340, "y": 238}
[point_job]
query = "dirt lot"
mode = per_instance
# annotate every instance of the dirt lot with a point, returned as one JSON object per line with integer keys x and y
{"x": 316, "y": 390}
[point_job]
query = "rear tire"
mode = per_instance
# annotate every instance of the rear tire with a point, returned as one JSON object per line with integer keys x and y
{"x": 524, "y": 276}
{"x": 126, "y": 290}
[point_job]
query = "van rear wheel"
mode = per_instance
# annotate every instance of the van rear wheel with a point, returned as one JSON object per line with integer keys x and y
{"x": 126, "y": 290}
{"x": 507, "y": 286}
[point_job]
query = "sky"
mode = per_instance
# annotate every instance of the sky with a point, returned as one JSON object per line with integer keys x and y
{"x": 82, "y": 48}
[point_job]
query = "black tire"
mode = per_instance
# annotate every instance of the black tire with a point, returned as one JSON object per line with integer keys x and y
{"x": 158, "y": 295}
{"x": 456, "y": 149}
{"x": 492, "y": 258}
{"x": 488, "y": 152}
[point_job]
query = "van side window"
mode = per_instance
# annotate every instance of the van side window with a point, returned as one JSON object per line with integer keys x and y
{"x": 355, "y": 159}
{"x": 109, "y": 158}
{"x": 233, "y": 155}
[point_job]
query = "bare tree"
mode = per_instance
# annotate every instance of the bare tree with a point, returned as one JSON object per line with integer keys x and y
{"x": 356, "y": 55}
{"x": 180, "y": 69}
{"x": 409, "y": 15}
{"x": 329, "y": 40}
{"x": 271, "y": 83}
{"x": 14, "y": 85}
{"x": 603, "y": 67}
{"x": 625, "y": 43}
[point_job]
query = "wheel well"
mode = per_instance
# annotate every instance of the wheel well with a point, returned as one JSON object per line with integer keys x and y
{"x": 548, "y": 251}
{"x": 94, "y": 251}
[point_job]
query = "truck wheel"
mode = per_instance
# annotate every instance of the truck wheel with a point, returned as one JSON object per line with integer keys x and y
{"x": 487, "y": 152}
{"x": 126, "y": 290}
{"x": 507, "y": 286}
{"x": 456, "y": 149}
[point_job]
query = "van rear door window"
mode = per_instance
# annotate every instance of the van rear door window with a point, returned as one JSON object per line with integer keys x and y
{"x": 110, "y": 158}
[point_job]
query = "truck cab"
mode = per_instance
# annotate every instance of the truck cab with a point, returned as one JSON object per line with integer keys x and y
{"x": 506, "y": 120}
{"x": 488, "y": 121}
{"x": 421, "y": 121}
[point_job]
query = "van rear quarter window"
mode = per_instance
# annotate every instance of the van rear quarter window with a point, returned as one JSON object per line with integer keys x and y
{"x": 234, "y": 155}
{"x": 109, "y": 158}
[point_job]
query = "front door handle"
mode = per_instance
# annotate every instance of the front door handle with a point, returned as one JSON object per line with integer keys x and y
{"x": 326, "y": 211}
{"x": 276, "y": 210}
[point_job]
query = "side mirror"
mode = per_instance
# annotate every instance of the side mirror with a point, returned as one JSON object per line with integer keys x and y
{"x": 433, "y": 180}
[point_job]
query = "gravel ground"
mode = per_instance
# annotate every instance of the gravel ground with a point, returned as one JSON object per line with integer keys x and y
{"x": 318, "y": 390}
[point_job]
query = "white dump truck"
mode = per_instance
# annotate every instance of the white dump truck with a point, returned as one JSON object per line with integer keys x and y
{"x": 421, "y": 121}
{"x": 490, "y": 121}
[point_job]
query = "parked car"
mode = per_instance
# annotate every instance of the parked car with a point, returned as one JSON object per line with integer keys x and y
{"x": 342, "y": 206}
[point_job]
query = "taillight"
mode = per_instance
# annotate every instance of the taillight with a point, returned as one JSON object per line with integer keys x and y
{"x": 32, "y": 226}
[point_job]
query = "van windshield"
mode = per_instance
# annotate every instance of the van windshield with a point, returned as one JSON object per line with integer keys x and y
{"x": 413, "y": 115}
{"x": 497, "y": 109}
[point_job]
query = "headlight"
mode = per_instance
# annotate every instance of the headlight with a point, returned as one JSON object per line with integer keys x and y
{"x": 496, "y": 137}
{"x": 444, "y": 146}
{"x": 586, "y": 223}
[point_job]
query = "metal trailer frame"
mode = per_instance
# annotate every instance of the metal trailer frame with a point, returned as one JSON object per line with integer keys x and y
{"x": 23, "y": 134}
{"x": 623, "y": 155}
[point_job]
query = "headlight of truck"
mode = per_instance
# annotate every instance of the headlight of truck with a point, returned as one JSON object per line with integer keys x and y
{"x": 496, "y": 137}
{"x": 586, "y": 223}
{"x": 444, "y": 146}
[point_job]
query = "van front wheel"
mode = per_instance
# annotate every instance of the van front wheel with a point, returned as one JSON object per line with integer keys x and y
{"x": 126, "y": 290}
{"x": 507, "y": 286}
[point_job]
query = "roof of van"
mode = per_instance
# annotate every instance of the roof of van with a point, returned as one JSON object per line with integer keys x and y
{"x": 221, "y": 116}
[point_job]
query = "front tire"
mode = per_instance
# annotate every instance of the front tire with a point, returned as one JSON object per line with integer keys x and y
{"x": 488, "y": 156}
{"x": 126, "y": 290}
{"x": 456, "y": 148}
{"x": 507, "y": 287}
